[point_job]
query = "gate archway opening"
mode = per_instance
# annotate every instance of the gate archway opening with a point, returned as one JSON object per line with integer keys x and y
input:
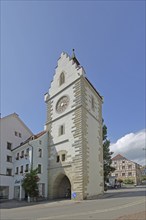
{"x": 62, "y": 187}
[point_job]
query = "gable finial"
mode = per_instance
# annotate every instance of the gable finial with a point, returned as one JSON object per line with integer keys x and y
{"x": 74, "y": 57}
{"x": 73, "y": 53}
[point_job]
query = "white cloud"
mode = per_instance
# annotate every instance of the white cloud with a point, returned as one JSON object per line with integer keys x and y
{"x": 131, "y": 146}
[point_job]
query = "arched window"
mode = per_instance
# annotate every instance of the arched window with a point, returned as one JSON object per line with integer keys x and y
{"x": 62, "y": 79}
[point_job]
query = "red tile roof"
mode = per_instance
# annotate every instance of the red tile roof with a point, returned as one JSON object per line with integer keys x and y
{"x": 119, "y": 157}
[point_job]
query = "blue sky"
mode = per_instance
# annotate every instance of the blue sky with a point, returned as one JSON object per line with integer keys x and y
{"x": 109, "y": 42}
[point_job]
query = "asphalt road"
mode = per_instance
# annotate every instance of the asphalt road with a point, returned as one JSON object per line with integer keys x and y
{"x": 114, "y": 204}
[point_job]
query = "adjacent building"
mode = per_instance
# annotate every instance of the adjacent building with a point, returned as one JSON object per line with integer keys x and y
{"x": 126, "y": 169}
{"x": 74, "y": 123}
{"x": 13, "y": 132}
{"x": 31, "y": 154}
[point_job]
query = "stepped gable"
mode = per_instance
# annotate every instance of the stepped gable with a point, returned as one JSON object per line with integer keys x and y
{"x": 119, "y": 157}
{"x": 72, "y": 70}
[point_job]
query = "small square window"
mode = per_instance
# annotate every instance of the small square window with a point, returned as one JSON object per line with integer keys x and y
{"x": 123, "y": 174}
{"x": 129, "y": 166}
{"x": 9, "y": 172}
{"x": 9, "y": 146}
{"x": 9, "y": 159}
{"x": 129, "y": 173}
{"x": 57, "y": 159}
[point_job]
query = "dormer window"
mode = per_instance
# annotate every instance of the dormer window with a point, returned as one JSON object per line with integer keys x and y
{"x": 62, "y": 79}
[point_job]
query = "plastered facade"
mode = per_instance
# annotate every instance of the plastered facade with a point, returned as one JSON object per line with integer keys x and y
{"x": 79, "y": 147}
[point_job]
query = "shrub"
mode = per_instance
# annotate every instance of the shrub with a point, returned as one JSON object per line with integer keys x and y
{"x": 128, "y": 181}
{"x": 120, "y": 180}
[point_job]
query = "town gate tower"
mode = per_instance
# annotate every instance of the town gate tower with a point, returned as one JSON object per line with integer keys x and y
{"x": 74, "y": 123}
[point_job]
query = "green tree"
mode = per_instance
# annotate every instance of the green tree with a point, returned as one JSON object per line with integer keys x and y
{"x": 30, "y": 183}
{"x": 106, "y": 155}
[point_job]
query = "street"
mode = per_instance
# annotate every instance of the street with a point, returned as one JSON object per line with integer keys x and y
{"x": 114, "y": 204}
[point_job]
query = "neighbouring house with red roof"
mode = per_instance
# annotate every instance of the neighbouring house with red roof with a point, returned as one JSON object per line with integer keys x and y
{"x": 126, "y": 169}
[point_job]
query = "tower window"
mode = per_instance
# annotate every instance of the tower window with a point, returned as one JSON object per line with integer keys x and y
{"x": 62, "y": 79}
{"x": 57, "y": 159}
{"x": 63, "y": 157}
{"x": 61, "y": 130}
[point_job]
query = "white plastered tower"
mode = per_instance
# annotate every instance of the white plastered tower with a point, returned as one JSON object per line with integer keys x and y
{"x": 74, "y": 122}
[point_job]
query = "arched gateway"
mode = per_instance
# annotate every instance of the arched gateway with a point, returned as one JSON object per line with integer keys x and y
{"x": 62, "y": 187}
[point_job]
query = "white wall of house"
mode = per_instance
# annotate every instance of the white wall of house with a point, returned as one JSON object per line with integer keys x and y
{"x": 35, "y": 152}
{"x": 13, "y": 131}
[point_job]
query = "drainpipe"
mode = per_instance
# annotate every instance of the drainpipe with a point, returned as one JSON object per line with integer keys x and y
{"x": 31, "y": 155}
{"x": 28, "y": 199}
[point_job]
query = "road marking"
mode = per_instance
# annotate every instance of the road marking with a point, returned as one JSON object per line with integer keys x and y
{"x": 94, "y": 212}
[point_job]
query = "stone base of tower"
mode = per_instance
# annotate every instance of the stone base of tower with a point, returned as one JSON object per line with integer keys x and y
{"x": 64, "y": 185}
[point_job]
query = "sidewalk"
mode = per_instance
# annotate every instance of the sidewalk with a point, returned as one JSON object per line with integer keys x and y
{"x": 9, "y": 204}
